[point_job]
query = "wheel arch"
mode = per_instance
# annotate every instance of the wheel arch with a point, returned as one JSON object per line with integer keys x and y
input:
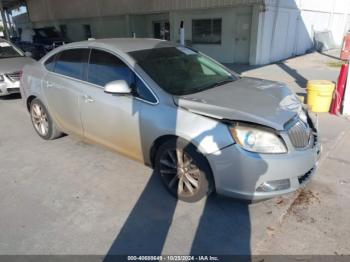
{"x": 162, "y": 139}
{"x": 29, "y": 101}
{"x": 155, "y": 146}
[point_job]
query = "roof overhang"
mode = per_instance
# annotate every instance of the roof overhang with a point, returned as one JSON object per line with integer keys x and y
{"x": 12, "y": 4}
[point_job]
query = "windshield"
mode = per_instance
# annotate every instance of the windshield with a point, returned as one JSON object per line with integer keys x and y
{"x": 182, "y": 71}
{"x": 8, "y": 51}
{"x": 48, "y": 32}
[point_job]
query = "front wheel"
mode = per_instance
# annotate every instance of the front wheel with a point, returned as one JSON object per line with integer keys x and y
{"x": 42, "y": 121}
{"x": 184, "y": 171}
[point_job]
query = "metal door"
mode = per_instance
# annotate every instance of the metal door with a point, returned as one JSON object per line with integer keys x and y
{"x": 242, "y": 39}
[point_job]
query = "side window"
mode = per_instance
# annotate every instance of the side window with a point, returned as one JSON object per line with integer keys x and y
{"x": 105, "y": 67}
{"x": 72, "y": 63}
{"x": 143, "y": 92}
{"x": 50, "y": 63}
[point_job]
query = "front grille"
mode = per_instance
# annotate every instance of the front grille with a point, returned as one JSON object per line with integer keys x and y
{"x": 14, "y": 77}
{"x": 13, "y": 90}
{"x": 300, "y": 134}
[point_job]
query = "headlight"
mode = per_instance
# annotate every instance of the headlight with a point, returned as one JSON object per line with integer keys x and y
{"x": 258, "y": 140}
{"x": 2, "y": 79}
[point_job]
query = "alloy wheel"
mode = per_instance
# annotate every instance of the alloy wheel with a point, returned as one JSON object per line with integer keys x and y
{"x": 40, "y": 119}
{"x": 179, "y": 172}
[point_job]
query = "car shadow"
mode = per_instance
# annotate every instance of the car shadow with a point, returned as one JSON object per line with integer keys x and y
{"x": 11, "y": 97}
{"x": 223, "y": 227}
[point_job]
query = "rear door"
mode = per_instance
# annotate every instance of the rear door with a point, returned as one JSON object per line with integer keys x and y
{"x": 62, "y": 88}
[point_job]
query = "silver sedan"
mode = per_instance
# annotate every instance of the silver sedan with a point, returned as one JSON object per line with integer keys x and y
{"x": 202, "y": 127}
{"x": 12, "y": 61}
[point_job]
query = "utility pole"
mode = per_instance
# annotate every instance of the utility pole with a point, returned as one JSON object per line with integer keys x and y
{"x": 6, "y": 30}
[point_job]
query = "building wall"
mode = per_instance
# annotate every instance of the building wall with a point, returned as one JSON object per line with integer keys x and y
{"x": 279, "y": 28}
{"x": 105, "y": 27}
{"x": 45, "y": 10}
{"x": 225, "y": 51}
{"x": 142, "y": 25}
{"x": 289, "y": 26}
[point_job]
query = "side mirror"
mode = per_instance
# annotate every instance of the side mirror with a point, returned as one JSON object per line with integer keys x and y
{"x": 118, "y": 87}
{"x": 28, "y": 54}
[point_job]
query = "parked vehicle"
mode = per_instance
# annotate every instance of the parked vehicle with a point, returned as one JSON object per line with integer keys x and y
{"x": 48, "y": 37}
{"x": 12, "y": 61}
{"x": 201, "y": 126}
{"x": 37, "y": 51}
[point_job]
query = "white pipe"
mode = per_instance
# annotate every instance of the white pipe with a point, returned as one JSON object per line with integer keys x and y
{"x": 182, "y": 34}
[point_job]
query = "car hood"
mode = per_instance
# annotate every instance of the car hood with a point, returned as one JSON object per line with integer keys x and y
{"x": 259, "y": 101}
{"x": 10, "y": 65}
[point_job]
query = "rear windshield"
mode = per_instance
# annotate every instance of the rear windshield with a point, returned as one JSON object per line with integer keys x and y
{"x": 182, "y": 71}
{"x": 8, "y": 51}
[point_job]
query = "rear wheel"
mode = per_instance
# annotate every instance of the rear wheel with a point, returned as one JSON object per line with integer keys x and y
{"x": 42, "y": 121}
{"x": 184, "y": 171}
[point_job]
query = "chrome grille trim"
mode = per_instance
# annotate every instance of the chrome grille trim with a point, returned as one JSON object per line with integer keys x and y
{"x": 300, "y": 134}
{"x": 14, "y": 77}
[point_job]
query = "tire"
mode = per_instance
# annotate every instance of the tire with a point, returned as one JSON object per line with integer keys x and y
{"x": 42, "y": 121}
{"x": 178, "y": 160}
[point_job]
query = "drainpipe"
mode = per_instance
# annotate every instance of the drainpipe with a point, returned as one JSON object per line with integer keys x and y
{"x": 11, "y": 29}
{"x": 6, "y": 30}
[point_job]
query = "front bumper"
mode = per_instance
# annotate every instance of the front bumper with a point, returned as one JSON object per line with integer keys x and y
{"x": 8, "y": 87}
{"x": 239, "y": 173}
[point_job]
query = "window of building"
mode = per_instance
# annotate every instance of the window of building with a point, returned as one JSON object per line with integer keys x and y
{"x": 87, "y": 31}
{"x": 72, "y": 63}
{"x": 64, "y": 31}
{"x": 207, "y": 31}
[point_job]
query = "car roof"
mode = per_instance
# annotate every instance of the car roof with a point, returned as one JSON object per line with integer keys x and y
{"x": 124, "y": 44}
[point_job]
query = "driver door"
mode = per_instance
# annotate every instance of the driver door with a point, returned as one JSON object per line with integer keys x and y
{"x": 111, "y": 120}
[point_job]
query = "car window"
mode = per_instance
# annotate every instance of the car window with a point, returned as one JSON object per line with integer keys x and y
{"x": 50, "y": 63}
{"x": 182, "y": 71}
{"x": 142, "y": 91}
{"x": 72, "y": 63}
{"x": 105, "y": 68}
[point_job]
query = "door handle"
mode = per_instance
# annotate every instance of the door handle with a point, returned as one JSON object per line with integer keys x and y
{"x": 88, "y": 99}
{"x": 49, "y": 84}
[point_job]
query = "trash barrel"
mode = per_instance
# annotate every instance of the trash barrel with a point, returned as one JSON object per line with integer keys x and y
{"x": 319, "y": 95}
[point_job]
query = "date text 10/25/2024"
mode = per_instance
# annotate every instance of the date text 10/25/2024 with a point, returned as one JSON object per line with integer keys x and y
{"x": 173, "y": 258}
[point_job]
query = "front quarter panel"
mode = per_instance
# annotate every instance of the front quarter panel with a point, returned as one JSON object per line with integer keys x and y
{"x": 208, "y": 135}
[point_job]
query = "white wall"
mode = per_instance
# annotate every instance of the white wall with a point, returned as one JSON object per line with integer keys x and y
{"x": 224, "y": 52}
{"x": 289, "y": 26}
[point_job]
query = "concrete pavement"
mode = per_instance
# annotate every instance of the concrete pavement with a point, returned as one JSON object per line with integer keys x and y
{"x": 295, "y": 72}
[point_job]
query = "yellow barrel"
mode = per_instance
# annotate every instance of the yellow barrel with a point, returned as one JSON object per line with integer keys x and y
{"x": 319, "y": 95}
